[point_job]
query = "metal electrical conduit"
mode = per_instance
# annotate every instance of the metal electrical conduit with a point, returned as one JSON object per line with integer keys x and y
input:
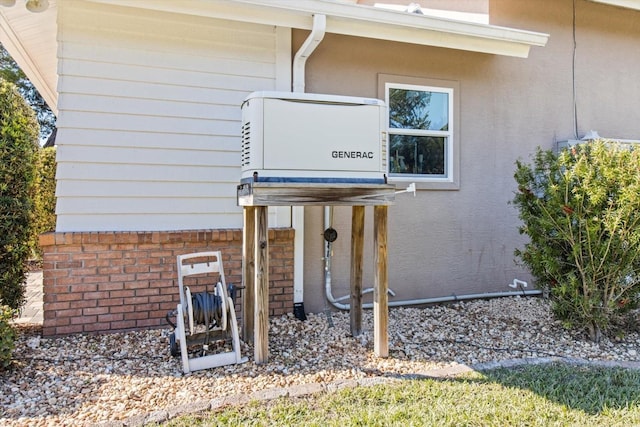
{"x": 434, "y": 300}
{"x": 328, "y": 221}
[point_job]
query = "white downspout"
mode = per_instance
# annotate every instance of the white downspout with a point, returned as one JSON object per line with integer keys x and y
{"x": 307, "y": 48}
{"x": 297, "y": 212}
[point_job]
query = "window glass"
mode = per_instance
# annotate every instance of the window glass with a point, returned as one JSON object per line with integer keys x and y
{"x": 420, "y": 137}
{"x": 417, "y": 155}
{"x": 418, "y": 109}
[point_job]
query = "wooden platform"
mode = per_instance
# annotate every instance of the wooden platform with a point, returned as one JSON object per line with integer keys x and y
{"x": 256, "y": 197}
{"x": 312, "y": 194}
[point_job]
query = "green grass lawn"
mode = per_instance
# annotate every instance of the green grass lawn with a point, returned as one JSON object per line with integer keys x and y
{"x": 534, "y": 395}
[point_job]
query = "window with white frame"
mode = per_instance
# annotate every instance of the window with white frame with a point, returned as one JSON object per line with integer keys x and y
{"x": 419, "y": 130}
{"x": 421, "y": 140}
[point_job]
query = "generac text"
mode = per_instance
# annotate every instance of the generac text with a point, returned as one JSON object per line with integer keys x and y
{"x": 352, "y": 154}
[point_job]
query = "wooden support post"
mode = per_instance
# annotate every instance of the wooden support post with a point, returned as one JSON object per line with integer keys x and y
{"x": 380, "y": 297}
{"x": 357, "y": 247}
{"x": 248, "y": 272}
{"x": 261, "y": 315}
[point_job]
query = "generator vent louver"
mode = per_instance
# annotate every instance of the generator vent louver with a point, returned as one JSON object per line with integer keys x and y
{"x": 246, "y": 144}
{"x": 383, "y": 150}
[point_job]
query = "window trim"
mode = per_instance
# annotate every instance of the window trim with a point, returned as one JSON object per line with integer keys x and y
{"x": 452, "y": 154}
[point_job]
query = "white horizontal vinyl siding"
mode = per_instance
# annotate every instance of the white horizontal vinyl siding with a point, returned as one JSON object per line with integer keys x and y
{"x": 149, "y": 115}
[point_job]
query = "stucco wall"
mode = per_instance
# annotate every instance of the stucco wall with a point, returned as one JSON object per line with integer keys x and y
{"x": 462, "y": 241}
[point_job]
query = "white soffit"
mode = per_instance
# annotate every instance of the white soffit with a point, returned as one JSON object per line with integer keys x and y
{"x": 357, "y": 20}
{"x": 628, "y": 4}
{"x": 30, "y": 38}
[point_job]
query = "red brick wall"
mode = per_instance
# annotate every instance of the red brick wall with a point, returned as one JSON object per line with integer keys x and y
{"x": 106, "y": 281}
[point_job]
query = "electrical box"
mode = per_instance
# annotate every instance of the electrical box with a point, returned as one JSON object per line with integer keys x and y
{"x": 313, "y": 138}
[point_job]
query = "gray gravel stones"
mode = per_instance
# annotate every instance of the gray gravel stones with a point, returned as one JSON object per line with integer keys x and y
{"x": 130, "y": 377}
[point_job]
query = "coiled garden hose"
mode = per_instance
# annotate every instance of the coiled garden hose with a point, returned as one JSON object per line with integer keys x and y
{"x": 207, "y": 309}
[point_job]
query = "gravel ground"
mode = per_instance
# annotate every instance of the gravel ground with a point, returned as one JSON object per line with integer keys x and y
{"x": 82, "y": 380}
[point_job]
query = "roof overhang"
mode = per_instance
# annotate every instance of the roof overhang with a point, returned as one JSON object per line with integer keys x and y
{"x": 358, "y": 20}
{"x": 30, "y": 38}
{"x": 628, "y": 4}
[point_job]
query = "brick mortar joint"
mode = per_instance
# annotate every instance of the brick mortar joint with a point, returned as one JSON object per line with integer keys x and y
{"x": 81, "y": 251}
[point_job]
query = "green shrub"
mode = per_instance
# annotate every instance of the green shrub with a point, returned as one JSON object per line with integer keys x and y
{"x": 7, "y": 337}
{"x": 581, "y": 211}
{"x": 45, "y": 197}
{"x": 18, "y": 148}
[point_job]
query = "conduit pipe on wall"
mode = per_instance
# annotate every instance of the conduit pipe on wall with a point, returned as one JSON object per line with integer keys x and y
{"x": 328, "y": 222}
{"x": 422, "y": 301}
{"x": 327, "y": 246}
{"x": 327, "y": 250}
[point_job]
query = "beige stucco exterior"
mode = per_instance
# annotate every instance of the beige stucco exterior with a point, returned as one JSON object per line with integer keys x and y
{"x": 445, "y": 242}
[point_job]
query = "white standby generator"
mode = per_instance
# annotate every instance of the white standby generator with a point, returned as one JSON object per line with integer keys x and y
{"x": 313, "y": 138}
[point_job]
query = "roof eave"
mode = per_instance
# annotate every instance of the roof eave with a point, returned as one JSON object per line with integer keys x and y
{"x": 360, "y": 21}
{"x": 627, "y": 4}
{"x": 14, "y": 45}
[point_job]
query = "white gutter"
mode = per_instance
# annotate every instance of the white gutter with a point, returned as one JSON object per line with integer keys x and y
{"x": 297, "y": 212}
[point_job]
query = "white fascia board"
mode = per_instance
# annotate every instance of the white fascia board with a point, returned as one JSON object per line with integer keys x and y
{"x": 358, "y": 20}
{"x": 627, "y": 4}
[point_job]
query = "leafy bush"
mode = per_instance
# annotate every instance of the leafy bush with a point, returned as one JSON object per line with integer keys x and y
{"x": 45, "y": 197}
{"x": 7, "y": 336}
{"x": 18, "y": 148}
{"x": 581, "y": 211}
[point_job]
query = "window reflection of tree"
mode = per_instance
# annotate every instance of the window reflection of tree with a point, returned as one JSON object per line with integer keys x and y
{"x": 409, "y": 109}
